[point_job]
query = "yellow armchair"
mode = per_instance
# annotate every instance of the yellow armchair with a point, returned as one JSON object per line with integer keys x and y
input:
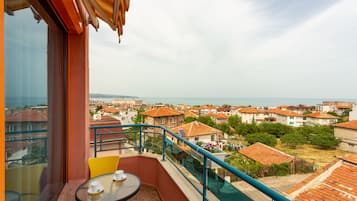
{"x": 103, "y": 165}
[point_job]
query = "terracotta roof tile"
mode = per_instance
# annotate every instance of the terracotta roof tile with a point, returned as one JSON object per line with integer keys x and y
{"x": 27, "y": 115}
{"x": 221, "y": 116}
{"x": 111, "y": 110}
{"x": 188, "y": 113}
{"x": 162, "y": 112}
{"x": 251, "y": 110}
{"x": 285, "y": 113}
{"x": 350, "y": 125}
{"x": 336, "y": 181}
{"x": 196, "y": 128}
{"x": 321, "y": 115}
{"x": 266, "y": 155}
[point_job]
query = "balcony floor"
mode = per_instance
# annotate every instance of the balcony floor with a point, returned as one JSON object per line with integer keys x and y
{"x": 146, "y": 193}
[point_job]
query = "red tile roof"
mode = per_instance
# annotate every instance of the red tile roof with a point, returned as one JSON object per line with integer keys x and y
{"x": 344, "y": 106}
{"x": 221, "y": 116}
{"x": 350, "y": 125}
{"x": 285, "y": 113}
{"x": 162, "y": 112}
{"x": 106, "y": 121}
{"x": 321, "y": 115}
{"x": 266, "y": 155}
{"x": 337, "y": 181}
{"x": 196, "y": 128}
{"x": 27, "y": 115}
{"x": 250, "y": 110}
{"x": 190, "y": 114}
{"x": 223, "y": 109}
{"x": 111, "y": 110}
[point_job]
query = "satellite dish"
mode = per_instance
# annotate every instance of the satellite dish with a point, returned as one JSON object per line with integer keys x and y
{"x": 182, "y": 132}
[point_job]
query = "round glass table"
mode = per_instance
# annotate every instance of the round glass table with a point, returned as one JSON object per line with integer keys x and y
{"x": 113, "y": 190}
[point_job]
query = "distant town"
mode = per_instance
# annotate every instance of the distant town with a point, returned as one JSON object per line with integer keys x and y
{"x": 292, "y": 141}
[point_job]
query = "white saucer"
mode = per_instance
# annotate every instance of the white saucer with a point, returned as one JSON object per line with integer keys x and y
{"x": 120, "y": 179}
{"x": 97, "y": 191}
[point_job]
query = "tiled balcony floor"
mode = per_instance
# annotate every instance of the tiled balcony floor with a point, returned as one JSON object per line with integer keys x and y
{"x": 146, "y": 193}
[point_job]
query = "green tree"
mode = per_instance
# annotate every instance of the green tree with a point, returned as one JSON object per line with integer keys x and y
{"x": 225, "y": 128}
{"x": 234, "y": 121}
{"x": 207, "y": 120}
{"x": 325, "y": 140}
{"x": 264, "y": 138}
{"x": 333, "y": 114}
{"x": 139, "y": 117}
{"x": 190, "y": 119}
{"x": 293, "y": 139}
{"x": 276, "y": 129}
{"x": 245, "y": 129}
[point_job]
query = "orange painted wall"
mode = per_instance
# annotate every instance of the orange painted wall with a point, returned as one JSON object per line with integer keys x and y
{"x": 152, "y": 173}
{"x": 77, "y": 106}
{"x": 2, "y": 104}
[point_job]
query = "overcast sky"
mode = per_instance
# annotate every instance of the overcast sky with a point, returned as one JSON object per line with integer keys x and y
{"x": 229, "y": 48}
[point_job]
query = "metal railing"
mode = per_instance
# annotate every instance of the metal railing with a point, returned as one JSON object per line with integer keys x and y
{"x": 19, "y": 137}
{"x": 139, "y": 129}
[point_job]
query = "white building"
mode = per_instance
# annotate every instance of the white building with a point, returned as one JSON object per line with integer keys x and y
{"x": 321, "y": 118}
{"x": 250, "y": 115}
{"x": 198, "y": 132}
{"x": 353, "y": 113}
{"x": 287, "y": 117}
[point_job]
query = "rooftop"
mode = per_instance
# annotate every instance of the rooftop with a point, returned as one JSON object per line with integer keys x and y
{"x": 285, "y": 113}
{"x": 336, "y": 181}
{"x": 196, "y": 128}
{"x": 321, "y": 115}
{"x": 266, "y": 155}
{"x": 250, "y": 110}
{"x": 27, "y": 115}
{"x": 162, "y": 112}
{"x": 350, "y": 125}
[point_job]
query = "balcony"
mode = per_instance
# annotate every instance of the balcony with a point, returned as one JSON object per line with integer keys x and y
{"x": 168, "y": 171}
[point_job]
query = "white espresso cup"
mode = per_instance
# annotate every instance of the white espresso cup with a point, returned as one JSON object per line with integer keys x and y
{"x": 119, "y": 174}
{"x": 93, "y": 186}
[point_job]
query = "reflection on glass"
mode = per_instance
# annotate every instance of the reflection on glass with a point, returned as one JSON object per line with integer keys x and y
{"x": 26, "y": 102}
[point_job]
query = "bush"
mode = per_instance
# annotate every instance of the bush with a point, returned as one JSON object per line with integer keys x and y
{"x": 325, "y": 140}
{"x": 245, "y": 129}
{"x": 293, "y": 139}
{"x": 276, "y": 129}
{"x": 264, "y": 138}
{"x": 278, "y": 170}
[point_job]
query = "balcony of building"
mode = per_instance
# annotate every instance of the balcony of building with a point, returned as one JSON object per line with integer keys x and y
{"x": 168, "y": 171}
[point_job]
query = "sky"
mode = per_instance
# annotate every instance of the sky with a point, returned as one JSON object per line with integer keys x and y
{"x": 229, "y": 48}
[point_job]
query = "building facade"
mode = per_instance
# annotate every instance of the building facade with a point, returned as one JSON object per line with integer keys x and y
{"x": 347, "y": 133}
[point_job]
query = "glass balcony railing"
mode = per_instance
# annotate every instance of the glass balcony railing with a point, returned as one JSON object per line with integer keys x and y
{"x": 201, "y": 168}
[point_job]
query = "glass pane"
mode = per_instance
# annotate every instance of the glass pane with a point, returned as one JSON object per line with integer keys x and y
{"x": 29, "y": 135}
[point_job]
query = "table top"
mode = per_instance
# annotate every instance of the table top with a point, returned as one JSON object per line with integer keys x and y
{"x": 113, "y": 190}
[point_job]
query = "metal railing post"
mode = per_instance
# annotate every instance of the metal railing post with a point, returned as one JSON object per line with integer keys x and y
{"x": 101, "y": 142}
{"x": 163, "y": 145}
{"x": 204, "y": 190}
{"x": 95, "y": 143}
{"x": 140, "y": 140}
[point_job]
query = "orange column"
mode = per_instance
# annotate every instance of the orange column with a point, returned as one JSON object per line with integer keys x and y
{"x": 77, "y": 106}
{"x": 2, "y": 104}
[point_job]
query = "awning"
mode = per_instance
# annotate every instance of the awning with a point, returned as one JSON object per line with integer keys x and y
{"x": 110, "y": 11}
{"x": 75, "y": 13}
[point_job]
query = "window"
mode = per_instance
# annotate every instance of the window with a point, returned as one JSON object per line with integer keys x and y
{"x": 162, "y": 120}
{"x": 213, "y": 138}
{"x": 172, "y": 120}
{"x": 34, "y": 98}
{"x": 197, "y": 139}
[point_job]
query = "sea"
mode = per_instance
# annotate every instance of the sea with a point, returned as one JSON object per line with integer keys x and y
{"x": 242, "y": 101}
